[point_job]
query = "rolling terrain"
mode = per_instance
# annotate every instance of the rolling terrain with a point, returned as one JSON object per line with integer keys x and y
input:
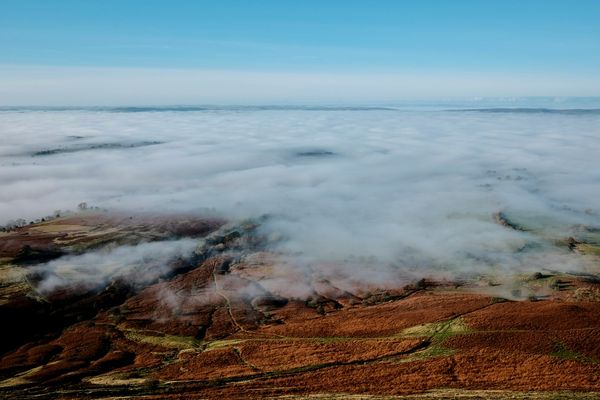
{"x": 235, "y": 319}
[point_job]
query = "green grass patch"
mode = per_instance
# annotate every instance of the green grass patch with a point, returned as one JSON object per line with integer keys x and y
{"x": 564, "y": 353}
{"x": 167, "y": 341}
{"x": 218, "y": 344}
{"x": 438, "y": 331}
{"x": 433, "y": 351}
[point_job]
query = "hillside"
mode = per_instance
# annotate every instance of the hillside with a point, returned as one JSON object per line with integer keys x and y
{"x": 235, "y": 319}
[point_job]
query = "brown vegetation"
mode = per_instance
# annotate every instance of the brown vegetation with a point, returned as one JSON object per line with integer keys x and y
{"x": 213, "y": 331}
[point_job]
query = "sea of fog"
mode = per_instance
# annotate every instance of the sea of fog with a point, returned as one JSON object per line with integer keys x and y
{"x": 409, "y": 187}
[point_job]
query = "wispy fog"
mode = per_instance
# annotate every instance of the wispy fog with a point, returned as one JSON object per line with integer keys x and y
{"x": 413, "y": 189}
{"x": 141, "y": 264}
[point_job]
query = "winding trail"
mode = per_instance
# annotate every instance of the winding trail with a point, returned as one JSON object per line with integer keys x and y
{"x": 227, "y": 304}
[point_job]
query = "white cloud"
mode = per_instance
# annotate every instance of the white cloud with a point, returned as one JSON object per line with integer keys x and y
{"x": 415, "y": 189}
{"x": 141, "y": 264}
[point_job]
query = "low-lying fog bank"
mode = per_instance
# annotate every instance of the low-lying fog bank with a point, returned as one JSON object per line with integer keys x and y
{"x": 397, "y": 189}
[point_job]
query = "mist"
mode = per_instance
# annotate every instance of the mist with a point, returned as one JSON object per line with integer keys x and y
{"x": 141, "y": 264}
{"x": 377, "y": 190}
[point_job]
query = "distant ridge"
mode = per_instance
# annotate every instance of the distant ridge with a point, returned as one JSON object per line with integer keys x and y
{"x": 242, "y": 108}
{"x": 529, "y": 110}
{"x": 135, "y": 109}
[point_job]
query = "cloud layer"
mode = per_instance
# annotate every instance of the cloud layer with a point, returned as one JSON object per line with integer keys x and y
{"x": 408, "y": 189}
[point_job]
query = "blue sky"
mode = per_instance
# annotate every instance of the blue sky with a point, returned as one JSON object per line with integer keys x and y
{"x": 559, "y": 39}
